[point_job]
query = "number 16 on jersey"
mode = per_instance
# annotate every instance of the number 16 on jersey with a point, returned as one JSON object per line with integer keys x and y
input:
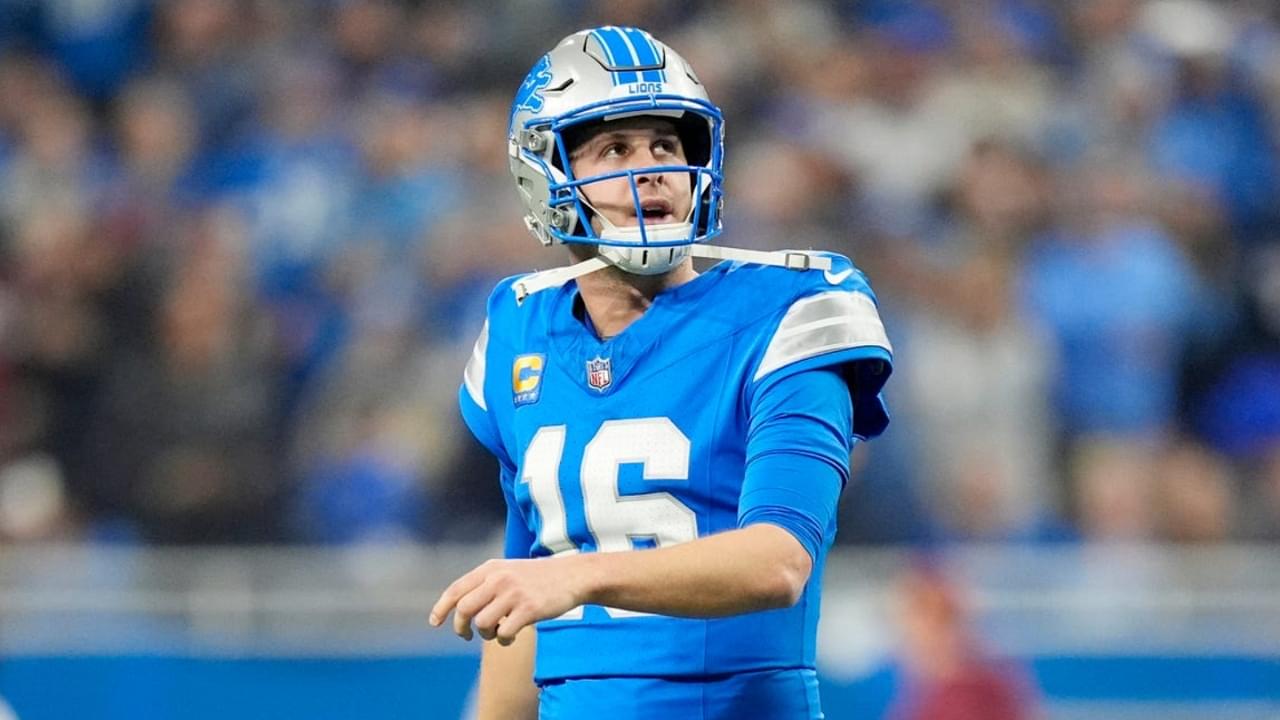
{"x": 615, "y": 521}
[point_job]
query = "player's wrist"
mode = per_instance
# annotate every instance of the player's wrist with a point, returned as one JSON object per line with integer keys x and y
{"x": 586, "y": 577}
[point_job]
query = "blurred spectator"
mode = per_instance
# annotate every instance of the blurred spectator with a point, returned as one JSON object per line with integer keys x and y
{"x": 1134, "y": 492}
{"x": 1196, "y": 495}
{"x": 96, "y": 43}
{"x": 798, "y": 208}
{"x": 204, "y": 45}
{"x": 1214, "y": 134}
{"x": 948, "y": 675}
{"x": 183, "y": 436}
{"x": 365, "y": 492}
{"x": 898, "y": 136}
{"x": 54, "y": 162}
{"x": 33, "y": 501}
{"x": 1233, "y": 396}
{"x": 1115, "y": 488}
{"x": 977, "y": 369}
{"x": 365, "y": 38}
{"x": 58, "y": 279}
{"x": 1119, "y": 299}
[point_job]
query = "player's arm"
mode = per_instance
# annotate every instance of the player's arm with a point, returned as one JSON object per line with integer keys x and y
{"x": 506, "y": 689}
{"x": 759, "y": 567}
{"x": 754, "y": 568}
{"x": 788, "y": 502}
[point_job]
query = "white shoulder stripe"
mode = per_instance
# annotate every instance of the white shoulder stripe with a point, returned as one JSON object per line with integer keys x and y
{"x": 830, "y": 321}
{"x": 473, "y": 376}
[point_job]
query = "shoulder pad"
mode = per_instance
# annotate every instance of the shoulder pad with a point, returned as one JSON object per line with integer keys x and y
{"x": 828, "y": 311}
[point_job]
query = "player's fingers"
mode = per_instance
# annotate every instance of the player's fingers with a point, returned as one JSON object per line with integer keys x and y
{"x": 467, "y": 607}
{"x": 486, "y": 621}
{"x": 510, "y": 625}
{"x": 451, "y": 595}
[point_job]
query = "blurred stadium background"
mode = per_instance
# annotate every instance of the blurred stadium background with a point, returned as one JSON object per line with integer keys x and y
{"x": 244, "y": 247}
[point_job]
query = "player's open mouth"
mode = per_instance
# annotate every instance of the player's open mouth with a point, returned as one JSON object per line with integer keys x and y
{"x": 656, "y": 211}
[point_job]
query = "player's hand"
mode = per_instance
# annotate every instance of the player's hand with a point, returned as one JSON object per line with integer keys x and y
{"x": 502, "y": 596}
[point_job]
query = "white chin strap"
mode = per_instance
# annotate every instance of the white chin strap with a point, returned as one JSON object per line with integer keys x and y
{"x": 644, "y": 260}
{"x": 555, "y": 277}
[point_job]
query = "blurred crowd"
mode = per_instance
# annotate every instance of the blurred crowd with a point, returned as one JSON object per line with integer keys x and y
{"x": 244, "y": 248}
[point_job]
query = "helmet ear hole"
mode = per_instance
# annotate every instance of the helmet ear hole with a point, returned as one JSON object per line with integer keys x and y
{"x": 695, "y": 136}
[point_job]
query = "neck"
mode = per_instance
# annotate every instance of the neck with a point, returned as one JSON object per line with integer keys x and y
{"x": 614, "y": 299}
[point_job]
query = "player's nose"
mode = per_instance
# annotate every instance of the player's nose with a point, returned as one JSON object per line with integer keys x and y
{"x": 644, "y": 157}
{"x": 649, "y": 177}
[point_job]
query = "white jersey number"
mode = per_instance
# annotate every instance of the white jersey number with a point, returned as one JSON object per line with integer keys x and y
{"x": 614, "y": 520}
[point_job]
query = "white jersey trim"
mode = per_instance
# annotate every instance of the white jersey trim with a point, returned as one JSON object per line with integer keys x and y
{"x": 823, "y": 323}
{"x": 473, "y": 376}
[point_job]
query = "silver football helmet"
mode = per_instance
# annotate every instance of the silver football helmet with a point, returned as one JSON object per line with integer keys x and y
{"x": 601, "y": 75}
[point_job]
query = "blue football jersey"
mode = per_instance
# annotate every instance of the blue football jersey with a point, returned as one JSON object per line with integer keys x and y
{"x": 640, "y": 441}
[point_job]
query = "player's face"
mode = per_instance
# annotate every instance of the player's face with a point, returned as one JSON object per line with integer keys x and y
{"x": 632, "y": 144}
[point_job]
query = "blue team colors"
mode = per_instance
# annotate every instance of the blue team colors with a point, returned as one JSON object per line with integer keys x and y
{"x": 647, "y": 439}
{"x": 761, "y": 695}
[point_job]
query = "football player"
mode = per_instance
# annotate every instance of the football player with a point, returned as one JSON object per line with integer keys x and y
{"x": 672, "y": 444}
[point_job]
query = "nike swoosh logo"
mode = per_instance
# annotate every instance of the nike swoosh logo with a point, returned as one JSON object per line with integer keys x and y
{"x": 837, "y": 278}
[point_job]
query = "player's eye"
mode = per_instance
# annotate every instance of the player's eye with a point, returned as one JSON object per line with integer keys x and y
{"x": 664, "y": 146}
{"x": 615, "y": 149}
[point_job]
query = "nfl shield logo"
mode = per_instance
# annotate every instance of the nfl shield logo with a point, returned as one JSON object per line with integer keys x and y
{"x": 599, "y": 373}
